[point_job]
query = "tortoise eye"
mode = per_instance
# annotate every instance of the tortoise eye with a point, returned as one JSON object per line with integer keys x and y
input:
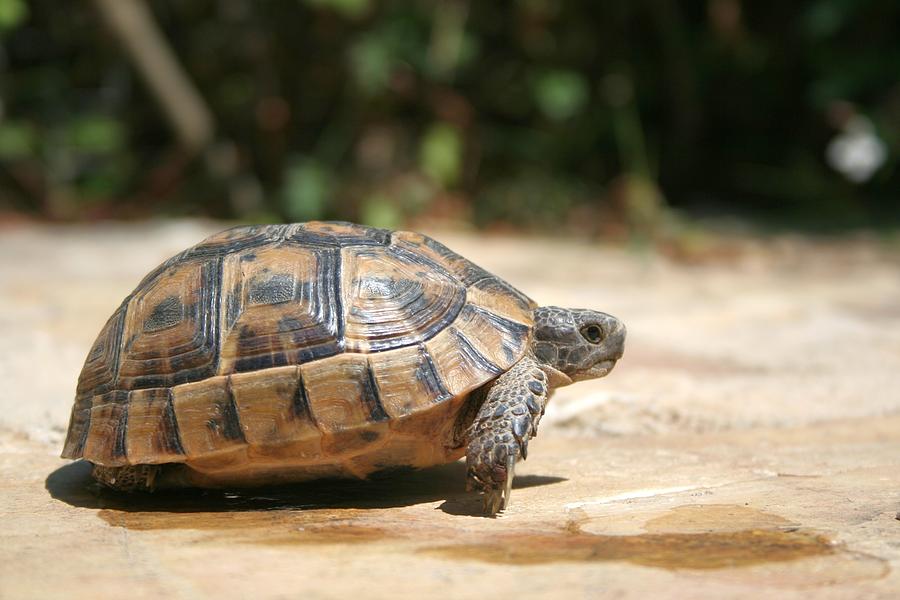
{"x": 592, "y": 333}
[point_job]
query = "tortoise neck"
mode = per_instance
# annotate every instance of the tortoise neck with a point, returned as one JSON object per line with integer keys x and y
{"x": 555, "y": 377}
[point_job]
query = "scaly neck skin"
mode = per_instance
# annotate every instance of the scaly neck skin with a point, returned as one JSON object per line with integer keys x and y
{"x": 555, "y": 378}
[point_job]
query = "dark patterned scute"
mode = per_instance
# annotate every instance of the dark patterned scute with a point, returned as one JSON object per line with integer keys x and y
{"x": 390, "y": 305}
{"x": 427, "y": 375}
{"x": 339, "y": 234}
{"x": 168, "y": 313}
{"x": 468, "y": 350}
{"x": 281, "y": 308}
{"x": 510, "y": 331}
{"x": 355, "y": 325}
{"x": 469, "y": 272}
{"x": 101, "y": 367}
{"x": 224, "y": 242}
{"x": 97, "y": 377}
{"x": 173, "y": 340}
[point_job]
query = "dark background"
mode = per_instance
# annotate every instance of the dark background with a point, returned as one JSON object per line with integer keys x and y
{"x": 590, "y": 117}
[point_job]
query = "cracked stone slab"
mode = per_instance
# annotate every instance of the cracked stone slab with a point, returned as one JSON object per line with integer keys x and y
{"x": 706, "y": 515}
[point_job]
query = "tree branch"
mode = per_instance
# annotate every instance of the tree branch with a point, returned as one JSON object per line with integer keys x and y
{"x": 134, "y": 26}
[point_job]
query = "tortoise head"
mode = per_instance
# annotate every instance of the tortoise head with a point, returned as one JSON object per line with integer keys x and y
{"x": 580, "y": 343}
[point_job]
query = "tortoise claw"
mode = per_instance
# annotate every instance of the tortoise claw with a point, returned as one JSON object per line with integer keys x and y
{"x": 493, "y": 500}
{"x": 510, "y": 473}
{"x": 496, "y": 499}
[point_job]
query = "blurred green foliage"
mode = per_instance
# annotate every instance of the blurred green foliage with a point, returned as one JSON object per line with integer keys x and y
{"x": 12, "y": 12}
{"x": 560, "y": 94}
{"x": 441, "y": 154}
{"x": 307, "y": 188}
{"x": 532, "y": 113}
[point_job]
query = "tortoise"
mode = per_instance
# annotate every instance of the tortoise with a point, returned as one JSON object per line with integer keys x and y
{"x": 269, "y": 354}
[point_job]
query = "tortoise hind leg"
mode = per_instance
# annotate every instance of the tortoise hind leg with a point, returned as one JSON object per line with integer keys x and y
{"x": 499, "y": 435}
{"x": 132, "y": 478}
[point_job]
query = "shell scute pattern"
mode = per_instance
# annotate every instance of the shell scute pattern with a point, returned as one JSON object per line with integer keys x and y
{"x": 303, "y": 342}
{"x": 389, "y": 305}
{"x": 338, "y": 234}
{"x": 153, "y": 435}
{"x": 171, "y": 328}
{"x": 207, "y": 417}
{"x": 299, "y": 322}
{"x": 489, "y": 289}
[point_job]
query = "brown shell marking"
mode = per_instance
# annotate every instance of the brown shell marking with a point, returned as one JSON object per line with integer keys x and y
{"x": 295, "y": 344}
{"x": 108, "y": 429}
{"x": 171, "y": 328}
{"x": 281, "y": 307}
{"x": 407, "y": 381}
{"x": 395, "y": 298}
{"x": 274, "y": 410}
{"x": 153, "y": 436}
{"x": 207, "y": 417}
{"x": 97, "y": 376}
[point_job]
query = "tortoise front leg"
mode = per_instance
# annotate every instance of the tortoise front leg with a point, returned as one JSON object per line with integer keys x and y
{"x": 500, "y": 432}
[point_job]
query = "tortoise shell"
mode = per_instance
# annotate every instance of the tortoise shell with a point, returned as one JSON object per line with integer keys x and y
{"x": 286, "y": 352}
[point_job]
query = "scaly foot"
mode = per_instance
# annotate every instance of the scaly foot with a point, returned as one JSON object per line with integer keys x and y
{"x": 500, "y": 432}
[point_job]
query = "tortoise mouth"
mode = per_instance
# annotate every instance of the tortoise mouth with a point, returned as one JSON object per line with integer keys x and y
{"x": 601, "y": 369}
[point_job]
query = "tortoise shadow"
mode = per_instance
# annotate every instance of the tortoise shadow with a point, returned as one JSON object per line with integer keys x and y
{"x": 74, "y": 485}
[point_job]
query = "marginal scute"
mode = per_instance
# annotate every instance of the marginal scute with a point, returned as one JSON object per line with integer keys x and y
{"x": 207, "y": 417}
{"x": 500, "y": 341}
{"x": 345, "y": 402}
{"x": 460, "y": 368}
{"x": 273, "y": 410}
{"x": 408, "y": 381}
{"x": 98, "y": 376}
{"x": 340, "y": 393}
{"x": 507, "y": 306}
{"x": 105, "y": 443}
{"x": 79, "y": 426}
{"x": 153, "y": 435}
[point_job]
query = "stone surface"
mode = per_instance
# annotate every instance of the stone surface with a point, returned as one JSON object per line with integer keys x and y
{"x": 749, "y": 442}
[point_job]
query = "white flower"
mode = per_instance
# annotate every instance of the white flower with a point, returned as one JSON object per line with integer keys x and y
{"x": 857, "y": 152}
